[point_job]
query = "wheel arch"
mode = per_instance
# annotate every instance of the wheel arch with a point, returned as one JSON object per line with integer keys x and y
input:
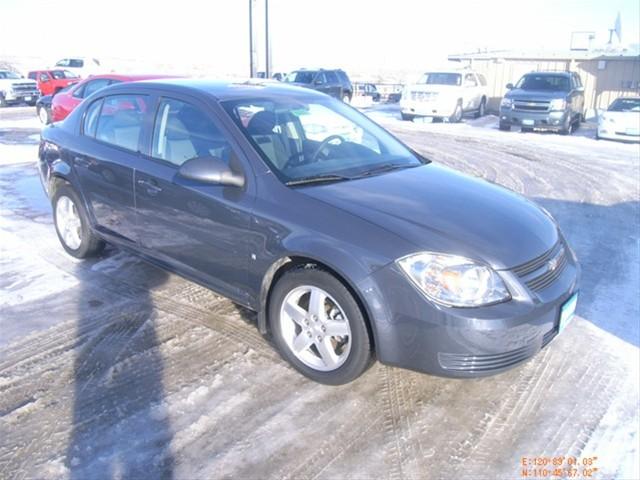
{"x": 284, "y": 264}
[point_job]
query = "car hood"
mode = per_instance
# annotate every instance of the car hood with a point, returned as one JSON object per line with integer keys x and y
{"x": 444, "y": 89}
{"x": 535, "y": 94}
{"x": 438, "y": 209}
{"x": 621, "y": 119}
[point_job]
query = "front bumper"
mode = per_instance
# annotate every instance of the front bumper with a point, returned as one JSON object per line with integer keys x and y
{"x": 609, "y": 132}
{"x": 435, "y": 108}
{"x": 539, "y": 120}
{"x": 21, "y": 96}
{"x": 412, "y": 332}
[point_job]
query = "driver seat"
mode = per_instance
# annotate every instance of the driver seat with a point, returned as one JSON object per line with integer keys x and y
{"x": 261, "y": 128}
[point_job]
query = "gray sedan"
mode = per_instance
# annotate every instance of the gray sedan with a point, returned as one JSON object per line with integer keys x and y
{"x": 346, "y": 242}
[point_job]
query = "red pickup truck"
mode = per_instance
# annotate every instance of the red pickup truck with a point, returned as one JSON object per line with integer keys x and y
{"x": 51, "y": 82}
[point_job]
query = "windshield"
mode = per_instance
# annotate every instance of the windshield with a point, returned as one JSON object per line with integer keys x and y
{"x": 552, "y": 83}
{"x": 625, "y": 105}
{"x": 435, "y": 78}
{"x": 300, "y": 77}
{"x": 10, "y": 75}
{"x": 303, "y": 140}
{"x": 60, "y": 74}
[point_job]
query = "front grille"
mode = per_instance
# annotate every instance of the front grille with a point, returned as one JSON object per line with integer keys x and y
{"x": 531, "y": 106}
{"x": 424, "y": 96}
{"x": 486, "y": 363}
{"x": 24, "y": 87}
{"x": 541, "y": 272}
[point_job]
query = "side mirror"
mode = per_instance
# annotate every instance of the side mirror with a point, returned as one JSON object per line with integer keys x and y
{"x": 580, "y": 89}
{"x": 210, "y": 170}
{"x": 509, "y": 86}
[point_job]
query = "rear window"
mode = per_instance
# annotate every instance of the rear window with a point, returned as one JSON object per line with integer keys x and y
{"x": 300, "y": 77}
{"x": 436, "y": 78}
{"x": 120, "y": 120}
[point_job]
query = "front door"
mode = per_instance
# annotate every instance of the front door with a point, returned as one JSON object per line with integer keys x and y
{"x": 199, "y": 229}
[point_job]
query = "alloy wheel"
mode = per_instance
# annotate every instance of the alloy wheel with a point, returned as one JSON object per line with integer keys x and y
{"x": 315, "y": 328}
{"x": 68, "y": 222}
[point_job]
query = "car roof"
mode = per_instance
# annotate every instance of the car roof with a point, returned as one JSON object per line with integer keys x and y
{"x": 555, "y": 74}
{"x": 226, "y": 90}
{"x": 127, "y": 78}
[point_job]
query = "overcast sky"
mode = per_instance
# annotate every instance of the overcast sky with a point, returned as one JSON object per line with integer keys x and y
{"x": 353, "y": 34}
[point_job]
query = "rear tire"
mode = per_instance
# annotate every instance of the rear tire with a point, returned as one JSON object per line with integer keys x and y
{"x": 305, "y": 305}
{"x": 3, "y": 102}
{"x": 407, "y": 117}
{"x": 44, "y": 115}
{"x": 72, "y": 223}
{"x": 526, "y": 129}
{"x": 346, "y": 98}
{"x": 505, "y": 127}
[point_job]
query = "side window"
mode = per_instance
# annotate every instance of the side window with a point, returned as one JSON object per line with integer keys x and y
{"x": 91, "y": 119}
{"x": 578, "y": 80}
{"x": 44, "y": 77}
{"x": 76, "y": 63}
{"x": 91, "y": 87}
{"x": 331, "y": 77}
{"x": 320, "y": 78}
{"x": 483, "y": 80}
{"x": 120, "y": 120}
{"x": 182, "y": 132}
{"x": 63, "y": 63}
{"x": 469, "y": 80}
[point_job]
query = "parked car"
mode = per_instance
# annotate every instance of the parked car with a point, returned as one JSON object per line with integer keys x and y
{"x": 545, "y": 101}
{"x": 14, "y": 88}
{"x": 368, "y": 90}
{"x": 335, "y": 83}
{"x": 64, "y": 102}
{"x": 52, "y": 81}
{"x": 621, "y": 121}
{"x": 445, "y": 95}
{"x": 343, "y": 246}
{"x": 82, "y": 66}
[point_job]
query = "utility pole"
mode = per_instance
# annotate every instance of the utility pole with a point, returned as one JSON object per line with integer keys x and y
{"x": 267, "y": 43}
{"x": 252, "y": 64}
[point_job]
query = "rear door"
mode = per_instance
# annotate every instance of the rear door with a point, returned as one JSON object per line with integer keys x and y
{"x": 113, "y": 128}
{"x": 198, "y": 229}
{"x": 320, "y": 83}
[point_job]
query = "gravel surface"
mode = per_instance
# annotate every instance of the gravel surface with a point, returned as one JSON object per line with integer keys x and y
{"x": 112, "y": 368}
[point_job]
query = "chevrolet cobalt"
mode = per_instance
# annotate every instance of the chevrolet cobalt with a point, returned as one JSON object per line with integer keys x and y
{"x": 347, "y": 243}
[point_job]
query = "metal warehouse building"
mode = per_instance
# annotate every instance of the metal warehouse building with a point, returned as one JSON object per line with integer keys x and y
{"x": 606, "y": 74}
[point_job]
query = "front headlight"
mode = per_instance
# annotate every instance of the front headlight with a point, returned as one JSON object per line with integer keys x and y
{"x": 506, "y": 103}
{"x": 454, "y": 281}
{"x": 558, "y": 104}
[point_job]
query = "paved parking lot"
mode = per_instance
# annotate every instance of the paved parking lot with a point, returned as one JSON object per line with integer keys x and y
{"x": 114, "y": 369}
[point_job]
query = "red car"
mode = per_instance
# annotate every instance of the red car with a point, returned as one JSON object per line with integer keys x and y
{"x": 51, "y": 82}
{"x": 64, "y": 102}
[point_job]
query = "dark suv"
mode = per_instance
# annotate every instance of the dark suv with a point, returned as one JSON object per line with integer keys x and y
{"x": 544, "y": 100}
{"x": 332, "y": 82}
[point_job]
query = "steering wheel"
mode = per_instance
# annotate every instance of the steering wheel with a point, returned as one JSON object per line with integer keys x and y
{"x": 323, "y": 144}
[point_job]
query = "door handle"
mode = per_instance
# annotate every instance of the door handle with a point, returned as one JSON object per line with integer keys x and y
{"x": 151, "y": 186}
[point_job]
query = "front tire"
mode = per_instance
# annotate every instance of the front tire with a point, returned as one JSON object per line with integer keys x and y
{"x": 407, "y": 117}
{"x": 505, "y": 127}
{"x": 456, "y": 117}
{"x": 319, "y": 327}
{"x": 482, "y": 108}
{"x": 72, "y": 224}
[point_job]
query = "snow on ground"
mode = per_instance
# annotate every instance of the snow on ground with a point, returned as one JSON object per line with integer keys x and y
{"x": 112, "y": 368}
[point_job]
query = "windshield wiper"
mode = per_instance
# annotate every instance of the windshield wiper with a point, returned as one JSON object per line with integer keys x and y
{"x": 317, "y": 179}
{"x": 387, "y": 167}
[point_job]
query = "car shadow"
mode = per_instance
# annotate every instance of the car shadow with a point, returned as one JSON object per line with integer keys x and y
{"x": 605, "y": 239}
{"x": 118, "y": 379}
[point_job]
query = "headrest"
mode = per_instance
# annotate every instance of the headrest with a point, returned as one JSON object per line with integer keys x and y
{"x": 262, "y": 123}
{"x": 176, "y": 129}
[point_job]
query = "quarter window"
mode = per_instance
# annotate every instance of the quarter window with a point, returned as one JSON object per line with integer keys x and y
{"x": 183, "y": 132}
{"x": 120, "y": 120}
{"x": 91, "y": 119}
